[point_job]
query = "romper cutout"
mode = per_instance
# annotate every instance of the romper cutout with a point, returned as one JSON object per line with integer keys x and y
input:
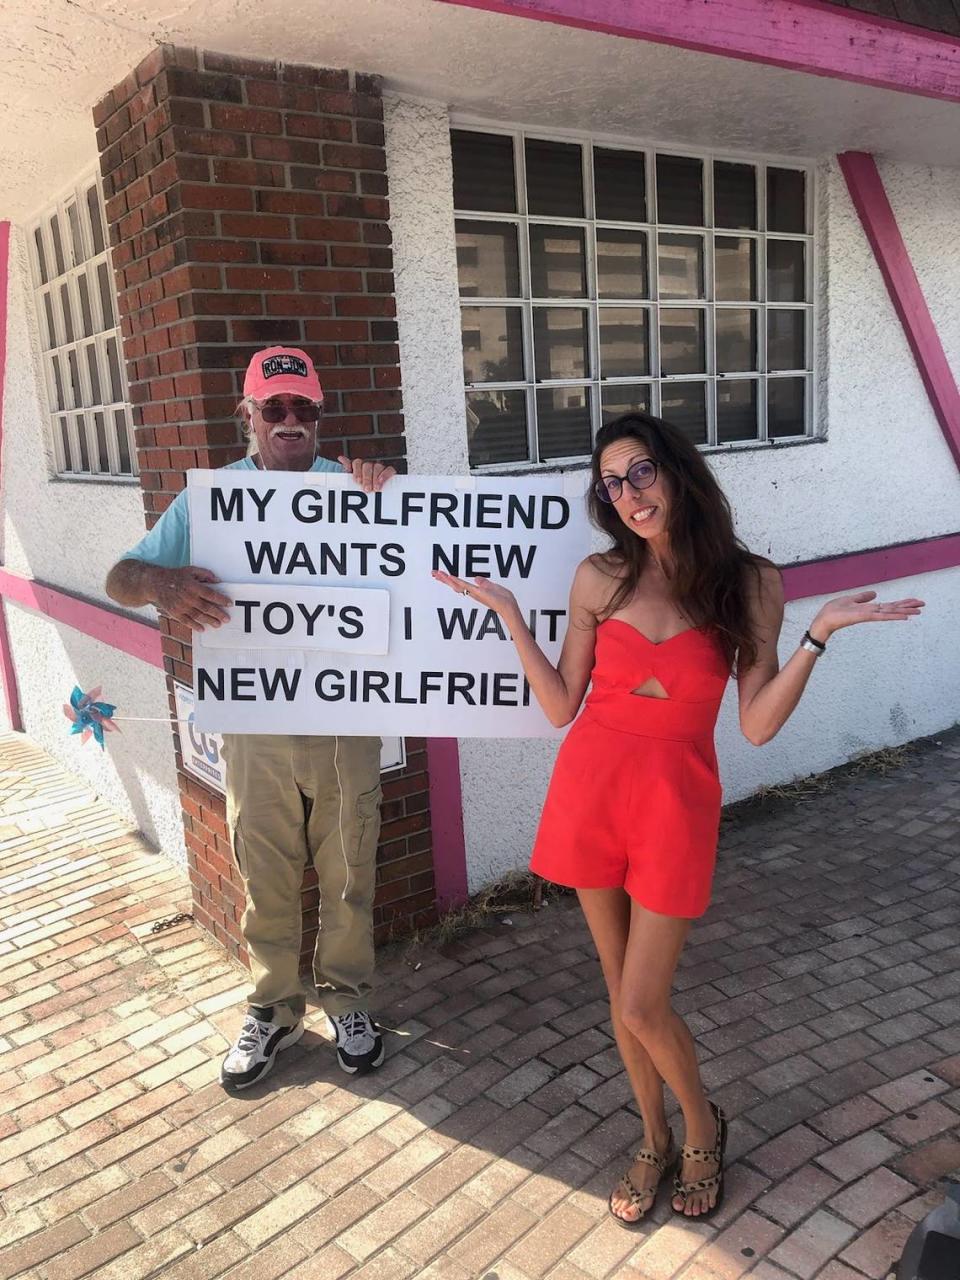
{"x": 651, "y": 688}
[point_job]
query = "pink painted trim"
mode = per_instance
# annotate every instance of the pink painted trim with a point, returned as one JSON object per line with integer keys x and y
{"x": 138, "y": 639}
{"x": 820, "y": 40}
{"x": 862, "y": 568}
{"x": 870, "y": 200}
{"x": 11, "y": 691}
{"x": 446, "y": 821}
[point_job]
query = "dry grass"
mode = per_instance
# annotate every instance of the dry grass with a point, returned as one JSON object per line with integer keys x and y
{"x": 517, "y": 891}
{"x": 867, "y": 763}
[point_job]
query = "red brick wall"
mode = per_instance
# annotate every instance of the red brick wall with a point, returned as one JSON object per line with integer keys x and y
{"x": 247, "y": 204}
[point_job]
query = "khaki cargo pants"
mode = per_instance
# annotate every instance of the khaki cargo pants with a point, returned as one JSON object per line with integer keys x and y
{"x": 291, "y": 800}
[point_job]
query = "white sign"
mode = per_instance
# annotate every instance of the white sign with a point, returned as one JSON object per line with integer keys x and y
{"x": 450, "y": 670}
{"x": 335, "y": 619}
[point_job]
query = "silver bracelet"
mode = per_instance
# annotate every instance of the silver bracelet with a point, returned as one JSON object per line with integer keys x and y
{"x": 812, "y": 646}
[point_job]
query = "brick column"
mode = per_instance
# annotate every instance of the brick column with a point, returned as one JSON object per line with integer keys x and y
{"x": 247, "y": 204}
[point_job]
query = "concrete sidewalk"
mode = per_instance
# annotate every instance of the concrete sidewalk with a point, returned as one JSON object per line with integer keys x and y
{"x": 823, "y": 988}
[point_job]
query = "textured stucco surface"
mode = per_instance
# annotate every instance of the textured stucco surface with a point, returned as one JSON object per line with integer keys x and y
{"x": 67, "y": 534}
{"x": 485, "y": 63}
{"x": 428, "y": 311}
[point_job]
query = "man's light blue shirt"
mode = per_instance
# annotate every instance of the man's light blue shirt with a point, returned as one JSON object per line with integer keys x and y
{"x": 168, "y": 542}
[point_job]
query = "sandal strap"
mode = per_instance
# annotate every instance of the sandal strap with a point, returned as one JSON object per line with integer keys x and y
{"x": 683, "y": 1189}
{"x": 636, "y": 1195}
{"x": 648, "y": 1156}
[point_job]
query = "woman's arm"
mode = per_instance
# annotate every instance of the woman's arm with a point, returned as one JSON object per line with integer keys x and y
{"x": 768, "y": 695}
{"x": 559, "y": 689}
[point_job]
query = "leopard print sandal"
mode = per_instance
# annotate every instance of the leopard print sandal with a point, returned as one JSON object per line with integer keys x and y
{"x": 682, "y": 1190}
{"x": 638, "y": 1196}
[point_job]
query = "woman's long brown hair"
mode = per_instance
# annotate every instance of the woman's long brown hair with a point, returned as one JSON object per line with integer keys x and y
{"x": 710, "y": 563}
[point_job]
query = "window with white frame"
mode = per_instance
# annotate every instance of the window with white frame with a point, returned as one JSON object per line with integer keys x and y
{"x": 80, "y": 336}
{"x": 597, "y": 278}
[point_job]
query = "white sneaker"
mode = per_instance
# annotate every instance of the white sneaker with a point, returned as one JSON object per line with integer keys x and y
{"x": 253, "y": 1054}
{"x": 359, "y": 1042}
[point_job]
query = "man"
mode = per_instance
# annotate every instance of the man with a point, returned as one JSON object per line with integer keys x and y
{"x": 288, "y": 798}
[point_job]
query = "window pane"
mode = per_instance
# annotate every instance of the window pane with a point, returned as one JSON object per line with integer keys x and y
{"x": 67, "y": 314}
{"x": 736, "y": 411}
{"x": 492, "y": 344}
{"x": 106, "y": 296}
{"x": 84, "y": 449}
{"x": 619, "y": 184}
{"x": 620, "y": 398}
{"x": 483, "y": 176}
{"x": 488, "y": 261}
{"x": 560, "y": 342}
{"x": 785, "y": 339}
{"x": 76, "y": 239}
{"x": 735, "y": 260}
{"x": 85, "y": 311}
{"x": 563, "y": 422}
{"x": 41, "y": 256}
{"x": 621, "y": 263}
{"x": 554, "y": 179}
{"x": 736, "y": 340}
{"x": 51, "y": 335}
{"x": 96, "y": 222}
{"x": 94, "y": 370}
{"x": 496, "y": 427}
{"x": 786, "y": 201}
{"x": 113, "y": 359}
{"x": 624, "y": 342}
{"x": 65, "y": 442}
{"x": 786, "y": 280}
{"x": 57, "y": 245}
{"x": 684, "y": 404}
{"x": 558, "y": 267}
{"x": 681, "y": 341}
{"x": 734, "y": 195}
{"x": 785, "y": 400}
{"x": 681, "y": 266}
{"x": 123, "y": 441}
{"x": 680, "y": 191}
{"x": 75, "y": 384}
{"x": 103, "y": 454}
{"x": 58, "y": 383}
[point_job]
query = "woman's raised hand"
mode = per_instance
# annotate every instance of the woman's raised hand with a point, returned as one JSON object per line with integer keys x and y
{"x": 489, "y": 594}
{"x": 847, "y": 611}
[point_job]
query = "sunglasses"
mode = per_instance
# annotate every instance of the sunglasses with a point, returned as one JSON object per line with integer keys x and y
{"x": 640, "y": 475}
{"x": 274, "y": 411}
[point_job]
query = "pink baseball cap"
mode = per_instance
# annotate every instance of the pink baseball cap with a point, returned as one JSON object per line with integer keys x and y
{"x": 278, "y": 371}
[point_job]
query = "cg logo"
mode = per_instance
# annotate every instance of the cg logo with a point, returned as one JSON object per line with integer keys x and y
{"x": 202, "y": 744}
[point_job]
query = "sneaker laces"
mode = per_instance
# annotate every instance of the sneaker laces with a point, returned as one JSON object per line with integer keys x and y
{"x": 252, "y": 1035}
{"x": 355, "y": 1027}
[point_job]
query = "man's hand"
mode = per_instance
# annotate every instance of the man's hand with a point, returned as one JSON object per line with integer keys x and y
{"x": 185, "y": 595}
{"x": 370, "y": 476}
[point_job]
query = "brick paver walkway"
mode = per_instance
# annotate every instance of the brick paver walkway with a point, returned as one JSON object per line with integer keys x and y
{"x": 823, "y": 987}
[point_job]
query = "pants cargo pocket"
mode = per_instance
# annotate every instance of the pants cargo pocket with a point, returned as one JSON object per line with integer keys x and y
{"x": 367, "y": 827}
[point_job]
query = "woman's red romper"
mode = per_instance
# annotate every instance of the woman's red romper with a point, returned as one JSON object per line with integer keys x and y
{"x": 634, "y": 801}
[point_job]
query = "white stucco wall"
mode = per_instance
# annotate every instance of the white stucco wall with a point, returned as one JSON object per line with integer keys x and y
{"x": 883, "y": 475}
{"x": 67, "y": 534}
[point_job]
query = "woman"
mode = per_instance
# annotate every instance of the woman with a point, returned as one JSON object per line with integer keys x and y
{"x": 656, "y": 624}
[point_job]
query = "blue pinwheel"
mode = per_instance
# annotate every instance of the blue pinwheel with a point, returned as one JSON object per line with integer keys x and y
{"x": 90, "y": 718}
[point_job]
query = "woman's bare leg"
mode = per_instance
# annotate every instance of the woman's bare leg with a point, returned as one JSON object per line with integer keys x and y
{"x": 607, "y": 913}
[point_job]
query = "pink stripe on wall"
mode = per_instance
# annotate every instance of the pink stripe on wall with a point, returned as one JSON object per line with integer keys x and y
{"x": 861, "y": 568}
{"x": 820, "y": 40}
{"x": 138, "y": 639}
{"x": 9, "y": 671}
{"x": 446, "y": 821}
{"x": 870, "y": 200}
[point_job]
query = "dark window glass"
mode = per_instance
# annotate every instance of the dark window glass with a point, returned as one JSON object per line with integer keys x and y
{"x": 680, "y": 191}
{"x": 619, "y": 183}
{"x": 624, "y": 342}
{"x": 84, "y": 448}
{"x": 786, "y": 201}
{"x": 621, "y": 398}
{"x": 85, "y": 311}
{"x": 106, "y": 296}
{"x": 563, "y": 422}
{"x": 58, "y": 382}
{"x": 123, "y": 441}
{"x": 621, "y": 263}
{"x": 735, "y": 264}
{"x": 96, "y": 396}
{"x": 483, "y": 176}
{"x": 786, "y": 278}
{"x": 558, "y": 265}
{"x": 113, "y": 359}
{"x": 785, "y": 339}
{"x": 488, "y": 261}
{"x": 554, "y": 179}
{"x": 736, "y": 411}
{"x": 51, "y": 327}
{"x": 492, "y": 344}
{"x": 96, "y": 222}
{"x": 76, "y": 239}
{"x": 785, "y": 415}
{"x": 735, "y": 195}
{"x": 736, "y": 340}
{"x": 560, "y": 342}
{"x": 681, "y": 266}
{"x": 57, "y": 245}
{"x": 684, "y": 404}
{"x": 65, "y": 442}
{"x": 41, "y": 256}
{"x": 496, "y": 427}
{"x": 68, "y": 329}
{"x": 681, "y": 341}
{"x": 75, "y": 383}
{"x": 103, "y": 454}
